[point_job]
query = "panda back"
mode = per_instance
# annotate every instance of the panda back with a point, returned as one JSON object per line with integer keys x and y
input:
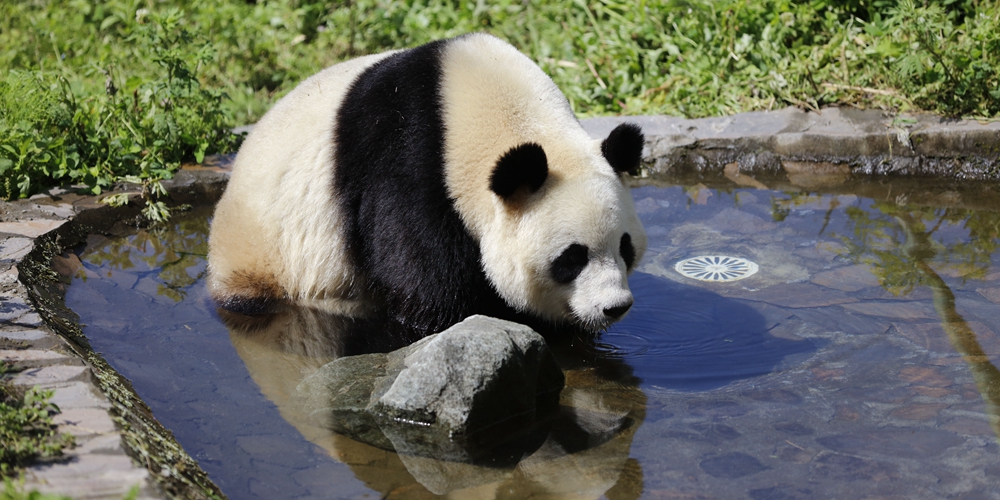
{"x": 401, "y": 226}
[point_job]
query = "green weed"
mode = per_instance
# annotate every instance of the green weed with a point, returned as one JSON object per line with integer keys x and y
{"x": 32, "y": 153}
{"x": 135, "y": 129}
{"x": 26, "y": 429}
{"x": 14, "y": 490}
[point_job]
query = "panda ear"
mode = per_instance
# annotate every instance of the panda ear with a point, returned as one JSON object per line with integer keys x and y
{"x": 524, "y": 166}
{"x": 623, "y": 147}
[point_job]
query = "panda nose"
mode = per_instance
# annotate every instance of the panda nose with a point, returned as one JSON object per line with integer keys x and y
{"x": 618, "y": 311}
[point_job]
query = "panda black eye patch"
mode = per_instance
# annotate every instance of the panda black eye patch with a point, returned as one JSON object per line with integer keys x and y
{"x": 570, "y": 263}
{"x": 627, "y": 250}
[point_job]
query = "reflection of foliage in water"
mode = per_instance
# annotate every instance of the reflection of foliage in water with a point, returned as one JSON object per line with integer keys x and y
{"x": 898, "y": 242}
{"x": 782, "y": 207}
{"x": 960, "y": 240}
{"x": 176, "y": 252}
{"x": 880, "y": 240}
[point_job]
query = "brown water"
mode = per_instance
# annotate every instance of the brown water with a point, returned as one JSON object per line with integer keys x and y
{"x": 860, "y": 361}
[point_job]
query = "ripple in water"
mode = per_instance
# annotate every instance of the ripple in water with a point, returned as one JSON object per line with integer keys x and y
{"x": 685, "y": 338}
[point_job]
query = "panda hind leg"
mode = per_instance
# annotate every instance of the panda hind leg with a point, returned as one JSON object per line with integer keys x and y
{"x": 250, "y": 293}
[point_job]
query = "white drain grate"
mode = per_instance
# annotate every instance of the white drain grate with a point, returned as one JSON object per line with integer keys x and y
{"x": 716, "y": 268}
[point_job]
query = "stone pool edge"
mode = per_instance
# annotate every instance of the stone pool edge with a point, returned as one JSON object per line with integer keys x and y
{"x": 116, "y": 434}
{"x": 833, "y": 140}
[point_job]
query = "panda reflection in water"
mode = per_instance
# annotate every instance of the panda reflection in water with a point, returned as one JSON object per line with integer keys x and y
{"x": 428, "y": 185}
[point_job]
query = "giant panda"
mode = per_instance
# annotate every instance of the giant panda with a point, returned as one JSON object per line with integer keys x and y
{"x": 427, "y": 185}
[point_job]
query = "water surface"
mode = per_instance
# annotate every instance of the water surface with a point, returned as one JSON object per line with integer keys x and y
{"x": 860, "y": 361}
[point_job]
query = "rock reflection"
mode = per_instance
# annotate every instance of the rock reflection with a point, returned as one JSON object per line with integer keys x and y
{"x": 581, "y": 453}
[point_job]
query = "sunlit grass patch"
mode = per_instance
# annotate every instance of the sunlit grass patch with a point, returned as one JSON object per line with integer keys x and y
{"x": 129, "y": 89}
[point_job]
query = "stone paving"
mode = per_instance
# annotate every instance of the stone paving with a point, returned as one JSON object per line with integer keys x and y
{"x": 98, "y": 466}
{"x": 835, "y": 141}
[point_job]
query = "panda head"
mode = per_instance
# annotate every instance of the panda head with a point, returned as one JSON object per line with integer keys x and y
{"x": 565, "y": 233}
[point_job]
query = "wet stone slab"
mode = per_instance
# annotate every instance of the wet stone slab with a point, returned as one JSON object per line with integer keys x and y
{"x": 31, "y": 228}
{"x": 14, "y": 248}
{"x": 794, "y": 295}
{"x": 894, "y": 442}
{"x": 50, "y": 375}
{"x": 846, "y": 278}
{"x": 991, "y": 293}
{"x": 731, "y": 465}
{"x": 97, "y": 466}
{"x": 893, "y": 310}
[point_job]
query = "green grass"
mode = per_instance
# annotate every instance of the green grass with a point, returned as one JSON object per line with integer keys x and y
{"x": 129, "y": 89}
{"x": 104, "y": 121}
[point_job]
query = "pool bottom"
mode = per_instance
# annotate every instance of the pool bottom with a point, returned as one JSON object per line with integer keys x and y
{"x": 841, "y": 369}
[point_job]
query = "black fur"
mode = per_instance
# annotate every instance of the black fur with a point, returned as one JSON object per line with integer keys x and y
{"x": 251, "y": 306}
{"x": 523, "y": 166}
{"x": 623, "y": 147}
{"x": 570, "y": 263}
{"x": 627, "y": 251}
{"x": 403, "y": 232}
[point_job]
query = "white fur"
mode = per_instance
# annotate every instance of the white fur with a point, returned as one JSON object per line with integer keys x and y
{"x": 501, "y": 99}
{"x": 278, "y": 216}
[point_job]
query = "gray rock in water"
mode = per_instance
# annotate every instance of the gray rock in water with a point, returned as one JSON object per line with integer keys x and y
{"x": 337, "y": 396}
{"x": 453, "y": 395}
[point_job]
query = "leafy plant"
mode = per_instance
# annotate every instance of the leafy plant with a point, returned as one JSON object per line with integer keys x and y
{"x": 29, "y": 153}
{"x": 14, "y": 490}
{"x": 138, "y": 130}
{"x": 143, "y": 128}
{"x": 949, "y": 67}
{"x": 26, "y": 429}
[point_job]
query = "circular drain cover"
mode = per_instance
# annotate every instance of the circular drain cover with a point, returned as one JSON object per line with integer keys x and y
{"x": 716, "y": 268}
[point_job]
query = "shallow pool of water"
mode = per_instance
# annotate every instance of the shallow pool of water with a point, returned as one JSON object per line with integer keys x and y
{"x": 860, "y": 361}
